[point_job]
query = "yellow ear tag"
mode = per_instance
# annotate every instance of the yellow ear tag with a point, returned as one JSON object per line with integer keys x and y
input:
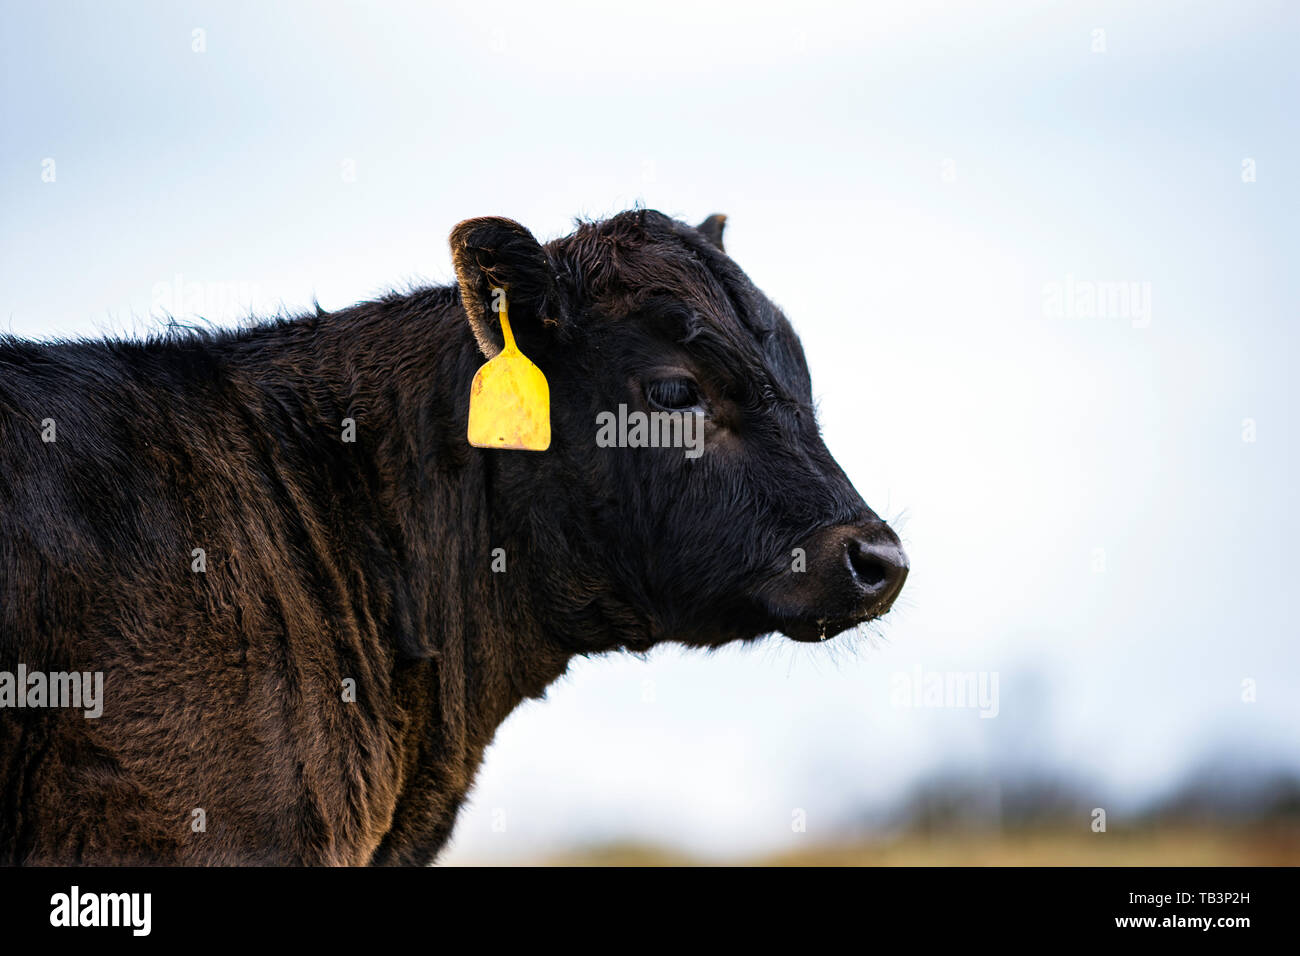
{"x": 510, "y": 402}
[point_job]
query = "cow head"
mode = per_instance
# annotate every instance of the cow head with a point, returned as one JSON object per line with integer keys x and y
{"x": 745, "y": 524}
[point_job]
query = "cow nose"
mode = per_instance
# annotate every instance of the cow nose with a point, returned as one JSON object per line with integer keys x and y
{"x": 879, "y": 569}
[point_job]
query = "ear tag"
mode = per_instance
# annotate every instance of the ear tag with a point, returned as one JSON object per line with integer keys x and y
{"x": 509, "y": 401}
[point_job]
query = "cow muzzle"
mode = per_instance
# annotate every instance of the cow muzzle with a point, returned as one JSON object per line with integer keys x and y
{"x": 850, "y": 574}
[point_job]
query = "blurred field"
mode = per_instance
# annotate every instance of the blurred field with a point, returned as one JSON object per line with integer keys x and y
{"x": 1277, "y": 845}
{"x": 1223, "y": 814}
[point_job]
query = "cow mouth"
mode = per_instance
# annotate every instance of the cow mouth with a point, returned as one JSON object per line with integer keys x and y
{"x": 814, "y": 625}
{"x": 816, "y": 630}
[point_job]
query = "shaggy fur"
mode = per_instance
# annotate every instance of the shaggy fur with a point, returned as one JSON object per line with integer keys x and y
{"x": 371, "y": 560}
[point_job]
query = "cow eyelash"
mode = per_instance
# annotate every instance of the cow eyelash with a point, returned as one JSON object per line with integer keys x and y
{"x": 677, "y": 394}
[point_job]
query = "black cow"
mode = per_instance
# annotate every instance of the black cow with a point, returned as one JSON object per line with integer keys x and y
{"x": 312, "y": 602}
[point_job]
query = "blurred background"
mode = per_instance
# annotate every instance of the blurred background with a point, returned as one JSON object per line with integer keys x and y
{"x": 1042, "y": 257}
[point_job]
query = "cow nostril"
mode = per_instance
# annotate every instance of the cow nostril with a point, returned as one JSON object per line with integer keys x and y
{"x": 879, "y": 569}
{"x": 868, "y": 568}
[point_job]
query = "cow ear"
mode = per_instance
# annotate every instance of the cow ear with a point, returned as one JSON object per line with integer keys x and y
{"x": 491, "y": 253}
{"x": 712, "y": 229}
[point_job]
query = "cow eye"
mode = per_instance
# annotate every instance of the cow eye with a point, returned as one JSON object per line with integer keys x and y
{"x": 673, "y": 394}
